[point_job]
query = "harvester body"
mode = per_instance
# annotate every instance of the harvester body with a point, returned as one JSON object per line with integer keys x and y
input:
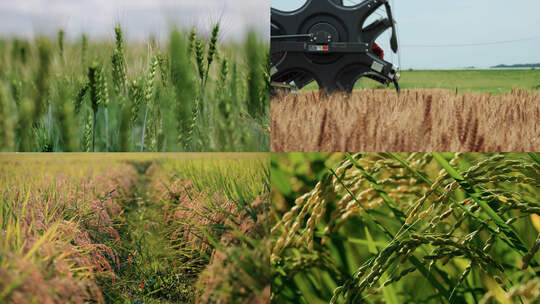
{"x": 327, "y": 42}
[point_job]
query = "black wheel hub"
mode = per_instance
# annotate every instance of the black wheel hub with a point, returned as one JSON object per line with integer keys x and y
{"x": 327, "y": 42}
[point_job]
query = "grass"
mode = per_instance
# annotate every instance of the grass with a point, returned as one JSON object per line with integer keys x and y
{"x": 480, "y": 81}
{"x": 128, "y": 228}
{"x": 373, "y": 227}
{"x": 188, "y": 93}
{"x": 416, "y": 120}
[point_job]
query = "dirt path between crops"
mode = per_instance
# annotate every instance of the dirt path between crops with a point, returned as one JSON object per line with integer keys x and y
{"x": 148, "y": 270}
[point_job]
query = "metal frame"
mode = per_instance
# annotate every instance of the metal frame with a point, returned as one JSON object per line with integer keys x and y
{"x": 327, "y": 42}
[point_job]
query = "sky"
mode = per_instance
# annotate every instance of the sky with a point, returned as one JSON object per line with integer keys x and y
{"x": 139, "y": 18}
{"x": 458, "y": 22}
{"x": 420, "y": 23}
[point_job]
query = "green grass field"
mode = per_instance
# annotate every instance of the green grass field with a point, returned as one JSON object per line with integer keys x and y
{"x": 484, "y": 81}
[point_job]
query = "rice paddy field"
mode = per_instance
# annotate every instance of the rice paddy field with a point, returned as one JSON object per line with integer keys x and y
{"x": 134, "y": 228}
{"x": 415, "y": 120}
{"x": 189, "y": 92}
{"x": 405, "y": 227}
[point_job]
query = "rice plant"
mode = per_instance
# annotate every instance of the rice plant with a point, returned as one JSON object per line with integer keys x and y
{"x": 157, "y": 96}
{"x": 57, "y": 228}
{"x": 405, "y": 228}
{"x": 142, "y": 227}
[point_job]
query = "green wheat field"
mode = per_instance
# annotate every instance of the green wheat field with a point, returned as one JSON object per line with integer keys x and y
{"x": 189, "y": 93}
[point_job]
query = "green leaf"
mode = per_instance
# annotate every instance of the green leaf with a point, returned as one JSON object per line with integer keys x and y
{"x": 371, "y": 244}
{"x": 280, "y": 181}
{"x": 388, "y": 291}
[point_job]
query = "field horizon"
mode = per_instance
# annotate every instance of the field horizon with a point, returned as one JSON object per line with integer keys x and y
{"x": 493, "y": 81}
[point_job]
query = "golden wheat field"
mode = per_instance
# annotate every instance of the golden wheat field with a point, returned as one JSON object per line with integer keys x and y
{"x": 416, "y": 120}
